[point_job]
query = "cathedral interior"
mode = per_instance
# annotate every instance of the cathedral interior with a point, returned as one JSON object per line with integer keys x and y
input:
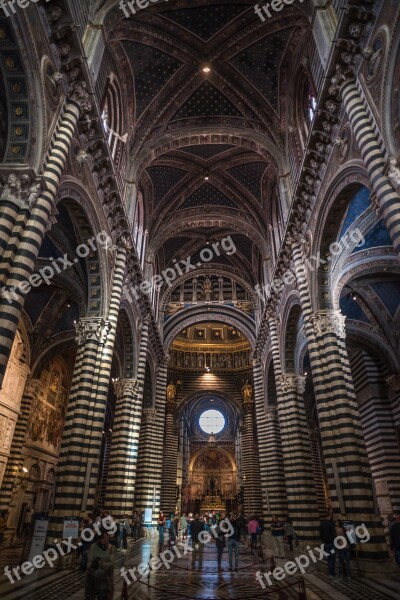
{"x": 200, "y": 286}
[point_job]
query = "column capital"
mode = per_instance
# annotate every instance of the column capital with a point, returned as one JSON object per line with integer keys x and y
{"x": 248, "y": 406}
{"x": 125, "y": 387}
{"x": 170, "y": 406}
{"x": 292, "y": 382}
{"x": 20, "y": 189}
{"x": 149, "y": 415}
{"x": 78, "y": 92}
{"x": 271, "y": 412}
{"x": 393, "y": 382}
{"x": 329, "y": 322}
{"x": 92, "y": 328}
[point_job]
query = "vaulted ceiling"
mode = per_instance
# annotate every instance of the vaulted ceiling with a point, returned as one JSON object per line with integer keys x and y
{"x": 208, "y": 147}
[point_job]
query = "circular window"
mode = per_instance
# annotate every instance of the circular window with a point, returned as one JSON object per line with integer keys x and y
{"x": 212, "y": 421}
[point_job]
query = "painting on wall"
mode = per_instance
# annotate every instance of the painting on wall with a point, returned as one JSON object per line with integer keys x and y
{"x": 46, "y": 422}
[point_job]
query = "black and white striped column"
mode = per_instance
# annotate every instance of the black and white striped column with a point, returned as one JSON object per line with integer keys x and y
{"x": 269, "y": 451}
{"x": 78, "y": 468}
{"x": 296, "y": 450}
{"x": 250, "y": 466}
{"x": 388, "y": 199}
{"x": 19, "y": 260}
{"x": 121, "y": 482}
{"x": 170, "y": 461}
{"x": 151, "y": 449}
{"x": 123, "y": 453}
{"x": 348, "y": 473}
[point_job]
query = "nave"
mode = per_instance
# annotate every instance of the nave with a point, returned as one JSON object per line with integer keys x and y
{"x": 180, "y": 582}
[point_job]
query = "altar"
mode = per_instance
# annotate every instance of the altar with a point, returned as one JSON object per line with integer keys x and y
{"x": 210, "y": 503}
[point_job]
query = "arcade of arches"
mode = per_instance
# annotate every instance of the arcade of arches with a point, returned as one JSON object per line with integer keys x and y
{"x": 199, "y": 270}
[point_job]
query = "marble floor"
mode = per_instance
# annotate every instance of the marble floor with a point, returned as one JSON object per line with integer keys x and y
{"x": 180, "y": 582}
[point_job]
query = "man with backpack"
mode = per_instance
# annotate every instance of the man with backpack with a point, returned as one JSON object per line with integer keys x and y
{"x": 220, "y": 543}
{"x": 196, "y": 528}
{"x": 234, "y": 543}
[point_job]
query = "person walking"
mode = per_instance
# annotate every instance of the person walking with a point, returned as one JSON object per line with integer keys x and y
{"x": 183, "y": 525}
{"x": 220, "y": 543}
{"x": 234, "y": 544}
{"x": 395, "y": 538}
{"x": 196, "y": 528}
{"x": 253, "y": 527}
{"x": 327, "y": 534}
{"x": 3, "y": 525}
{"x": 277, "y": 531}
{"x": 27, "y": 529}
{"x": 173, "y": 532}
{"x": 343, "y": 552}
{"x": 160, "y": 528}
{"x": 289, "y": 532}
{"x": 242, "y": 524}
{"x": 261, "y": 529}
{"x": 100, "y": 570}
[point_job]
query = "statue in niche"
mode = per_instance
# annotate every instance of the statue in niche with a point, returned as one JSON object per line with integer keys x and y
{"x": 212, "y": 485}
{"x": 201, "y": 361}
{"x": 194, "y": 360}
{"x": 237, "y": 360}
{"x": 187, "y": 359}
{"x": 171, "y": 391}
{"x": 55, "y": 381}
{"x": 221, "y": 360}
{"x": 244, "y": 359}
{"x": 181, "y": 359}
{"x": 229, "y": 361}
{"x": 247, "y": 392}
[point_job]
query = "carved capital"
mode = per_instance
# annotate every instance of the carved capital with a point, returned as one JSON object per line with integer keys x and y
{"x": 292, "y": 383}
{"x": 79, "y": 95}
{"x": 89, "y": 328}
{"x": 125, "y": 387}
{"x": 248, "y": 406}
{"x": 393, "y": 173}
{"x": 271, "y": 413}
{"x": 393, "y": 382}
{"x": 149, "y": 415}
{"x": 20, "y": 190}
{"x": 330, "y": 322}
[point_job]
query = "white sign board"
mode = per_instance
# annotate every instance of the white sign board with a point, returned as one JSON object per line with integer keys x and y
{"x": 39, "y": 538}
{"x": 148, "y": 515}
{"x": 71, "y": 527}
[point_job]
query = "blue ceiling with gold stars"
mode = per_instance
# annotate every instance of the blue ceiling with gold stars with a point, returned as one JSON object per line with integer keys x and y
{"x": 260, "y": 64}
{"x": 206, "y": 101}
{"x": 206, "y": 21}
{"x": 207, "y": 151}
{"x": 152, "y": 69}
{"x": 207, "y": 194}
{"x": 164, "y": 178}
{"x": 249, "y": 175}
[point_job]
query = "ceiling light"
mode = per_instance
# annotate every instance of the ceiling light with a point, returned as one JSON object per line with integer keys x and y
{"x": 206, "y": 69}
{"x": 354, "y": 296}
